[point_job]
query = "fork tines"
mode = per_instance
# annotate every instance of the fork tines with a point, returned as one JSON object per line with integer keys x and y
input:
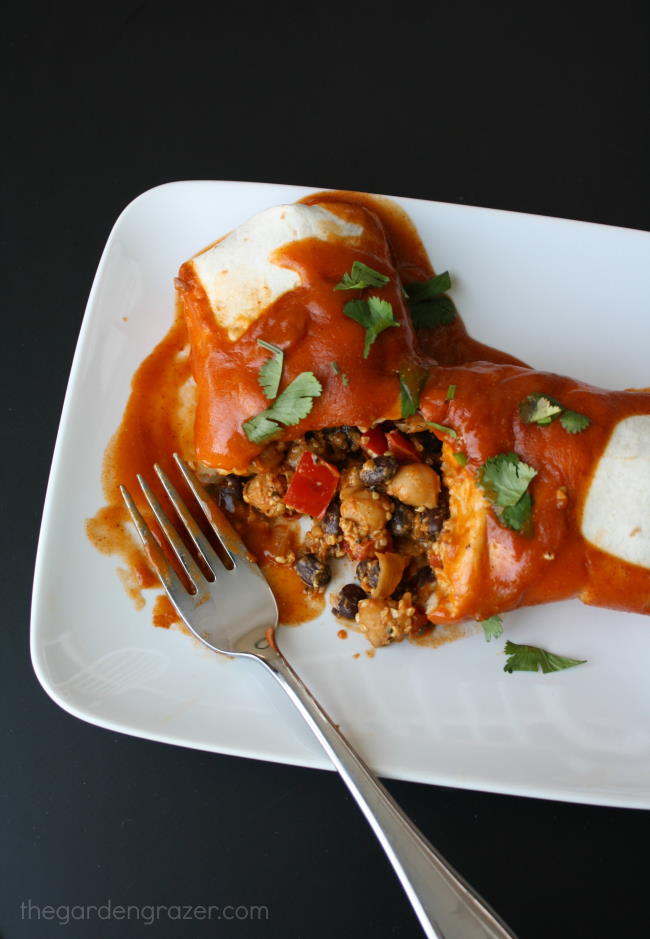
{"x": 225, "y": 534}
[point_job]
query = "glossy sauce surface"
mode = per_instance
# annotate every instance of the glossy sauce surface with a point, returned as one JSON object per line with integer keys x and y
{"x": 448, "y": 344}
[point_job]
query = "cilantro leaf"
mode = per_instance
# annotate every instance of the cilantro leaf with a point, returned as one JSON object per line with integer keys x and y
{"x": 517, "y": 516}
{"x": 505, "y": 479}
{"x": 428, "y": 289}
{"x": 374, "y": 314}
{"x": 492, "y": 627}
{"x": 260, "y": 428}
{"x": 531, "y": 658}
{"x": 431, "y": 313}
{"x": 362, "y": 276}
{"x": 539, "y": 409}
{"x": 573, "y": 422}
{"x": 460, "y": 458}
{"x": 289, "y": 408}
{"x": 429, "y": 307}
{"x": 297, "y": 399}
{"x": 271, "y": 371}
{"x": 408, "y": 403}
{"x": 443, "y": 430}
{"x": 542, "y": 409}
{"x": 411, "y": 383}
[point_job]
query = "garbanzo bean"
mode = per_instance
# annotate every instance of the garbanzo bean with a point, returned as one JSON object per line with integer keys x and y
{"x": 415, "y": 484}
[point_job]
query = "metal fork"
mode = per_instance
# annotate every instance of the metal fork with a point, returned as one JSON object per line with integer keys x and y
{"x": 233, "y": 611}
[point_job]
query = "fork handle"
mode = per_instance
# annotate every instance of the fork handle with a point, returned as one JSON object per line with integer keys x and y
{"x": 446, "y": 906}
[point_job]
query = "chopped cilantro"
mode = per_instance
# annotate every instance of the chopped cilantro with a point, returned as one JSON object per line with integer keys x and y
{"x": 443, "y": 430}
{"x": 271, "y": 371}
{"x": 289, "y": 408}
{"x": 460, "y": 458}
{"x": 260, "y": 428}
{"x": 541, "y": 409}
{"x": 505, "y": 479}
{"x": 492, "y": 627}
{"x": 428, "y": 289}
{"x": 411, "y": 383}
{"x": 374, "y": 314}
{"x": 531, "y": 659}
{"x": 517, "y": 516}
{"x": 428, "y": 304}
{"x": 362, "y": 276}
{"x": 431, "y": 313}
{"x": 573, "y": 422}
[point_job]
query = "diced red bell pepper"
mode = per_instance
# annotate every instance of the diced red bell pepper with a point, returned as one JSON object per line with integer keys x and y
{"x": 374, "y": 442}
{"x": 402, "y": 448}
{"x": 312, "y": 486}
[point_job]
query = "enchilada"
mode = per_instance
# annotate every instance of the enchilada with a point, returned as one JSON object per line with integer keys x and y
{"x": 402, "y": 473}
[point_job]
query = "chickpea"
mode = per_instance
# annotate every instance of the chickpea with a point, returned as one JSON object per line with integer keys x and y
{"x": 264, "y": 492}
{"x": 391, "y": 568}
{"x": 363, "y": 507}
{"x": 372, "y": 622}
{"x": 416, "y": 484}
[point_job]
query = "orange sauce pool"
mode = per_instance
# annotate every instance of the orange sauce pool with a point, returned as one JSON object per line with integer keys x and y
{"x": 158, "y": 420}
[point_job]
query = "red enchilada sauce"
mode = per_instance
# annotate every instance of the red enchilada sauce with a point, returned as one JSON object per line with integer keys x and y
{"x": 308, "y": 323}
{"x": 159, "y": 417}
{"x": 158, "y": 421}
{"x": 555, "y": 561}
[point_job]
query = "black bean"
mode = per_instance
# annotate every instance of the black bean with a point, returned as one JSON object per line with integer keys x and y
{"x": 378, "y": 471}
{"x": 401, "y": 523}
{"x": 313, "y": 572}
{"x": 428, "y": 524}
{"x": 341, "y": 442}
{"x": 354, "y": 437}
{"x": 229, "y": 492}
{"x": 331, "y": 523}
{"x": 338, "y": 439}
{"x": 368, "y": 574}
{"x": 431, "y": 447}
{"x": 424, "y": 576}
{"x": 347, "y": 604}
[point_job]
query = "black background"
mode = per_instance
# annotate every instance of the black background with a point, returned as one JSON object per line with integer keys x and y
{"x": 545, "y": 114}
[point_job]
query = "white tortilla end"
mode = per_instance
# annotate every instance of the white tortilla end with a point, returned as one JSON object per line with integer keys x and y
{"x": 616, "y": 514}
{"x": 238, "y": 274}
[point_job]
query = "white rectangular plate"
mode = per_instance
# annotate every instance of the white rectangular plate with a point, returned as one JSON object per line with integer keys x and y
{"x": 565, "y": 296}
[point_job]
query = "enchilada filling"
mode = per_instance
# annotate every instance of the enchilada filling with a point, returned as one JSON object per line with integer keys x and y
{"x": 375, "y": 498}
